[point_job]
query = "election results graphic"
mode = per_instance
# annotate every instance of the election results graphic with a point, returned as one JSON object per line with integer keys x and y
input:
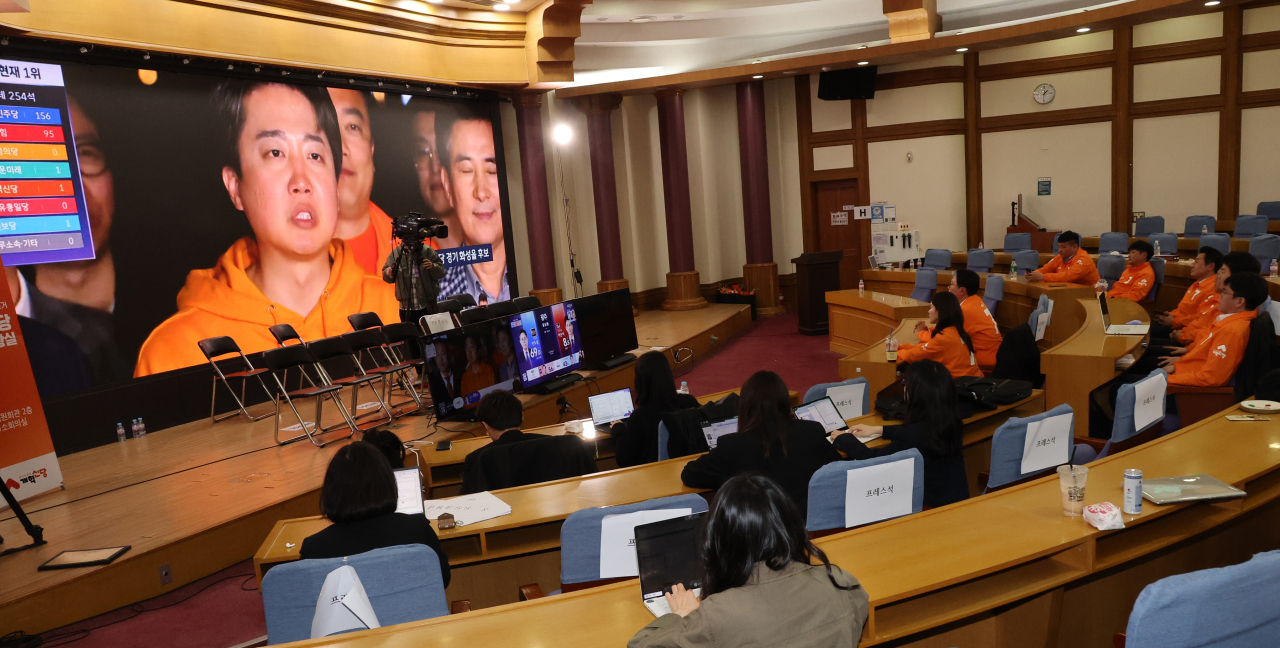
{"x": 43, "y": 218}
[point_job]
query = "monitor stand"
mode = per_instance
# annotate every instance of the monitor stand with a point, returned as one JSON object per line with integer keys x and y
{"x": 555, "y": 385}
{"x": 617, "y": 361}
{"x": 33, "y": 530}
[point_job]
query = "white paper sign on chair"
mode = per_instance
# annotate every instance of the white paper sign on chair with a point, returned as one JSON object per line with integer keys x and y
{"x": 343, "y": 605}
{"x": 880, "y": 492}
{"x": 618, "y": 540}
{"x": 1148, "y": 402}
{"x": 1048, "y": 443}
{"x": 848, "y": 399}
{"x": 1042, "y": 323}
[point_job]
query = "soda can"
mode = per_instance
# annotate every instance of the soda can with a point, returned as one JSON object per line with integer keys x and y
{"x": 1133, "y": 491}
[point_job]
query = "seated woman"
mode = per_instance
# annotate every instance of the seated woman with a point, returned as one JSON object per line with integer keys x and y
{"x": 932, "y": 425}
{"x": 359, "y": 497}
{"x": 388, "y": 444}
{"x": 946, "y": 342}
{"x": 636, "y": 439}
{"x": 761, "y": 587}
{"x": 769, "y": 440}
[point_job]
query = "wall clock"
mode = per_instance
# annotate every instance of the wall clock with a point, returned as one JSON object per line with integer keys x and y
{"x": 1043, "y": 93}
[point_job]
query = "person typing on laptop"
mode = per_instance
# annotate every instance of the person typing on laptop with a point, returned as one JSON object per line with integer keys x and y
{"x": 1138, "y": 277}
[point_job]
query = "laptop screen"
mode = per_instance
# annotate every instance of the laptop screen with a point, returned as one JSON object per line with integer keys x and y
{"x": 713, "y": 431}
{"x": 667, "y": 553}
{"x": 822, "y": 411}
{"x": 611, "y": 406}
{"x": 409, "y": 491}
{"x": 1106, "y": 315}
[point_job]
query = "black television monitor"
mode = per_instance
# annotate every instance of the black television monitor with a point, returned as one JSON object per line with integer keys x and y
{"x": 548, "y": 343}
{"x": 608, "y": 328}
{"x": 464, "y": 364}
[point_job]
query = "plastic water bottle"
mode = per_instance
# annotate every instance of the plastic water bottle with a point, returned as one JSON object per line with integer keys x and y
{"x": 142, "y": 425}
{"x": 891, "y": 349}
{"x": 981, "y": 246}
{"x": 862, "y": 285}
{"x": 684, "y": 387}
{"x": 133, "y": 426}
{"x": 1157, "y": 247}
{"x": 1013, "y": 269}
{"x": 120, "y": 432}
{"x": 1204, "y": 229}
{"x": 1275, "y": 267}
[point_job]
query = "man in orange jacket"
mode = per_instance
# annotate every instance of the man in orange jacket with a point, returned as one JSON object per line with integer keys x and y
{"x": 978, "y": 322}
{"x": 1071, "y": 265}
{"x": 1204, "y": 271}
{"x": 362, "y": 224}
{"x": 1213, "y": 359}
{"x": 1139, "y": 277}
{"x": 1233, "y": 263}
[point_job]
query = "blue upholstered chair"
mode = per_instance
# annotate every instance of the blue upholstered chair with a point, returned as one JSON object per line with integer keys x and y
{"x": 1118, "y": 241}
{"x": 1057, "y": 236}
{"x": 1028, "y": 261}
{"x": 403, "y": 583}
{"x": 1168, "y": 242}
{"x": 1123, "y": 433}
{"x": 1265, "y": 248}
{"x": 1017, "y": 241}
{"x": 1221, "y": 242}
{"x": 580, "y": 535}
{"x": 1007, "y": 447}
{"x": 1157, "y": 265}
{"x": 1269, "y": 209}
{"x": 818, "y": 391}
{"x": 827, "y": 488}
{"x": 1247, "y": 226}
{"x": 981, "y": 260}
{"x": 1042, "y": 306}
{"x": 937, "y": 259}
{"x": 994, "y": 292}
{"x": 1144, "y": 227}
{"x": 1196, "y": 223}
{"x": 663, "y": 435}
{"x": 1110, "y": 267}
{"x": 926, "y": 284}
{"x": 1227, "y": 607}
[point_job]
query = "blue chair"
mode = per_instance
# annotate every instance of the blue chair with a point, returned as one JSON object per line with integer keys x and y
{"x": 981, "y": 260}
{"x": 1057, "y": 236}
{"x": 1247, "y": 226}
{"x": 994, "y": 292}
{"x": 1227, "y": 607}
{"x": 1269, "y": 209}
{"x": 1168, "y": 242}
{"x": 1007, "y": 446}
{"x": 1028, "y": 261}
{"x": 580, "y": 535}
{"x": 1196, "y": 223}
{"x": 1042, "y": 306}
{"x": 1110, "y": 267}
{"x": 937, "y": 259}
{"x": 820, "y": 390}
{"x": 1017, "y": 241}
{"x": 1157, "y": 265}
{"x": 926, "y": 284}
{"x": 1144, "y": 227}
{"x": 1265, "y": 248}
{"x": 663, "y": 436}
{"x": 1118, "y": 241}
{"x": 827, "y": 489}
{"x": 1123, "y": 433}
{"x": 1221, "y": 242}
{"x": 403, "y": 583}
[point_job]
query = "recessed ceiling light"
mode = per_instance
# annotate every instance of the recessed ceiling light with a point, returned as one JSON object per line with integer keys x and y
{"x": 863, "y": 62}
{"x": 962, "y": 49}
{"x": 758, "y": 76}
{"x": 862, "y": 47}
{"x": 502, "y": 7}
{"x": 602, "y": 19}
{"x": 644, "y": 19}
{"x": 756, "y": 61}
{"x": 1082, "y": 30}
{"x": 790, "y": 71}
{"x": 826, "y": 68}
{"x": 1212, "y": 3}
{"x": 958, "y": 33}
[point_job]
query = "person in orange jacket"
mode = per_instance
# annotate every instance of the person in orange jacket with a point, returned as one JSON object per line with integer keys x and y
{"x": 363, "y": 225}
{"x": 946, "y": 342}
{"x": 1233, "y": 263}
{"x": 1072, "y": 265}
{"x": 1213, "y": 359}
{"x": 1204, "y": 271}
{"x": 978, "y": 322}
{"x": 284, "y": 161}
{"x": 1139, "y": 277}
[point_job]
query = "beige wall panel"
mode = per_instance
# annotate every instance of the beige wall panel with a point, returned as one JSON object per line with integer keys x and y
{"x": 941, "y": 61}
{"x": 637, "y": 158}
{"x": 1074, "y": 90}
{"x": 1175, "y": 167}
{"x": 715, "y": 182}
{"x": 1262, "y": 19}
{"x": 1261, "y": 70}
{"x": 1077, "y": 158}
{"x": 515, "y": 196}
{"x": 784, "y": 173}
{"x": 1177, "y": 79}
{"x": 929, "y": 191}
{"x": 1259, "y": 171}
{"x": 916, "y": 104}
{"x": 1177, "y": 30}
{"x": 569, "y": 176}
{"x": 828, "y": 115}
{"x": 1083, "y": 44}
{"x": 833, "y": 157}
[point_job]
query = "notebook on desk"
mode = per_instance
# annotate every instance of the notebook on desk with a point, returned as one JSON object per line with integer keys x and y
{"x": 667, "y": 554}
{"x": 408, "y": 490}
{"x": 1118, "y": 329}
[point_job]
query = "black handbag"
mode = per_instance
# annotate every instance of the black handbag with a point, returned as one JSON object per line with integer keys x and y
{"x": 990, "y": 393}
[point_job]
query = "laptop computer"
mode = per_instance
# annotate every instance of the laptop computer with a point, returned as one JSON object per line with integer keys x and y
{"x": 1187, "y": 488}
{"x": 713, "y": 431}
{"x": 609, "y": 407}
{"x": 408, "y": 490}
{"x": 667, "y": 554}
{"x": 1118, "y": 329}
{"x": 822, "y": 411}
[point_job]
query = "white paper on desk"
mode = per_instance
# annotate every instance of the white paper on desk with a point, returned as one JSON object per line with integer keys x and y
{"x": 1148, "y": 402}
{"x": 618, "y": 539}
{"x": 439, "y": 322}
{"x": 848, "y": 399}
{"x": 467, "y": 509}
{"x": 1048, "y": 443}
{"x": 343, "y": 605}
{"x": 879, "y": 492}
{"x": 1042, "y": 323}
{"x": 1274, "y": 309}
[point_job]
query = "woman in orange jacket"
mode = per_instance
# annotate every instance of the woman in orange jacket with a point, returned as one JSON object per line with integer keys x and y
{"x": 946, "y": 342}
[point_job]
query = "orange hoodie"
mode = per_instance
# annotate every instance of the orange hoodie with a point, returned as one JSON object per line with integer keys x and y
{"x": 946, "y": 348}
{"x": 1214, "y": 358}
{"x": 982, "y": 330}
{"x": 1203, "y": 320}
{"x": 222, "y": 300}
{"x": 1135, "y": 283}
{"x": 1079, "y": 270}
{"x": 372, "y": 247}
{"x": 1189, "y": 306}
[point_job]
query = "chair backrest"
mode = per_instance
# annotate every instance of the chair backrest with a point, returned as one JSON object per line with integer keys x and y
{"x": 926, "y": 284}
{"x": 1027, "y": 260}
{"x": 1110, "y": 267}
{"x": 1057, "y": 236}
{"x": 1157, "y": 266}
{"x": 1122, "y": 427}
{"x": 1221, "y": 242}
{"x": 360, "y": 340}
{"x": 580, "y": 533}
{"x": 1148, "y": 226}
{"x": 531, "y": 461}
{"x": 465, "y": 299}
{"x": 994, "y": 292}
{"x": 981, "y": 260}
{"x": 401, "y": 331}
{"x": 1249, "y": 225}
{"x": 1269, "y": 209}
{"x": 403, "y": 583}
{"x": 1227, "y": 607}
{"x": 527, "y": 303}
{"x": 218, "y": 346}
{"x": 1007, "y": 447}
{"x": 1265, "y": 248}
{"x": 937, "y": 259}
{"x": 448, "y": 306}
{"x": 1118, "y": 241}
{"x": 664, "y": 435}
{"x": 362, "y": 321}
{"x": 502, "y": 308}
{"x": 283, "y": 333}
{"x": 473, "y": 315}
{"x": 1168, "y": 242}
{"x": 1017, "y": 241}
{"x": 818, "y": 391}
{"x": 827, "y": 488}
{"x": 1196, "y": 223}
{"x": 287, "y": 357}
{"x": 330, "y": 347}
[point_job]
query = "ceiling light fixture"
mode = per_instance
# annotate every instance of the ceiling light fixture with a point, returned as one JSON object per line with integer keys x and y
{"x": 1212, "y": 3}
{"x": 862, "y": 47}
{"x": 1082, "y": 30}
{"x": 502, "y": 7}
{"x": 562, "y": 134}
{"x": 789, "y": 72}
{"x": 643, "y": 19}
{"x": 863, "y": 62}
{"x": 758, "y": 76}
{"x": 962, "y": 49}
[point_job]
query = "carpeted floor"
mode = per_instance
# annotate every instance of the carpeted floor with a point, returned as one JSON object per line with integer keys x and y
{"x": 770, "y": 343}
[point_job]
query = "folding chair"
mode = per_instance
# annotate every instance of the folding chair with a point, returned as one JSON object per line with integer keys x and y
{"x": 366, "y": 342}
{"x": 502, "y": 308}
{"x": 465, "y": 300}
{"x": 362, "y": 321}
{"x": 474, "y": 315}
{"x": 299, "y": 357}
{"x": 221, "y": 346}
{"x": 450, "y": 306}
{"x": 329, "y": 348}
{"x": 527, "y": 303}
{"x": 284, "y": 334}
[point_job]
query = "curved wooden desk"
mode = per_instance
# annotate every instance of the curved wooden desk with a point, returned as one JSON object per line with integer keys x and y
{"x": 1088, "y": 358}
{"x": 1186, "y": 246}
{"x": 1002, "y": 261}
{"x": 872, "y": 364}
{"x": 861, "y": 318}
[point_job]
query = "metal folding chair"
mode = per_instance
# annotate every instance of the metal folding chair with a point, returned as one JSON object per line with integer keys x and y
{"x": 362, "y": 321}
{"x": 222, "y": 346}
{"x": 367, "y": 342}
{"x": 328, "y": 349}
{"x": 299, "y": 357}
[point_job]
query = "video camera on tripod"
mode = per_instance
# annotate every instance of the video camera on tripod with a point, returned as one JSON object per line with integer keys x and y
{"x": 414, "y": 228}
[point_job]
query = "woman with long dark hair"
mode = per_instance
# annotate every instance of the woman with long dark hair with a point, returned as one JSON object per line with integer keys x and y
{"x": 635, "y": 440}
{"x": 946, "y": 341}
{"x": 769, "y": 440}
{"x": 932, "y": 426}
{"x": 761, "y": 587}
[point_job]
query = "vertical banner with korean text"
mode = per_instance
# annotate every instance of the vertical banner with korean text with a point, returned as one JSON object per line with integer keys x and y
{"x": 27, "y": 461}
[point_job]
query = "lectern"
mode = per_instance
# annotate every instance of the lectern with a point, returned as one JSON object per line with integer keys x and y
{"x": 816, "y": 274}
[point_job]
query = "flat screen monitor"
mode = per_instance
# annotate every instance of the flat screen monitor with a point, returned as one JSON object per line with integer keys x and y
{"x": 466, "y": 363}
{"x": 607, "y": 324}
{"x": 548, "y": 343}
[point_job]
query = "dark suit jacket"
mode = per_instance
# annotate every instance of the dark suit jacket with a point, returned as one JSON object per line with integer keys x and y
{"x": 389, "y": 530}
{"x": 944, "y": 477}
{"x": 520, "y": 459}
{"x": 635, "y": 440}
{"x": 740, "y": 452}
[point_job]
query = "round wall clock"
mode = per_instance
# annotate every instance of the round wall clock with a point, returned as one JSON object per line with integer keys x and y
{"x": 1043, "y": 93}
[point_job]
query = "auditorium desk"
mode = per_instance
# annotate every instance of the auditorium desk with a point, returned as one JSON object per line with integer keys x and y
{"x": 442, "y": 469}
{"x": 1220, "y": 225}
{"x": 1002, "y": 261}
{"x": 861, "y": 318}
{"x": 1087, "y": 360}
{"x": 1187, "y": 247}
{"x": 873, "y": 364}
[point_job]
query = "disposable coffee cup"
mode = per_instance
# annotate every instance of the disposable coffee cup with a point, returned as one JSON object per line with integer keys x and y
{"x": 1071, "y": 482}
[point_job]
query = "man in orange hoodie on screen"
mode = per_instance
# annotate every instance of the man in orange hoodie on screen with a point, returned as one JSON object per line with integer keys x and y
{"x": 1072, "y": 264}
{"x": 284, "y": 160}
{"x": 1138, "y": 277}
{"x": 362, "y": 224}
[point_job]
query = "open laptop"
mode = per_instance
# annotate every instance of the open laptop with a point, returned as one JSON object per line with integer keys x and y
{"x": 667, "y": 553}
{"x": 1118, "y": 329}
{"x": 609, "y": 407}
{"x": 408, "y": 490}
{"x": 822, "y": 411}
{"x": 713, "y": 431}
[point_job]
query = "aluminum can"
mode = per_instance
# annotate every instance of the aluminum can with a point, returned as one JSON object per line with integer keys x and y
{"x": 1132, "y": 491}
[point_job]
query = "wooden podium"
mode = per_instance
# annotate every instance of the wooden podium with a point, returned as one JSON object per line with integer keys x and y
{"x": 1041, "y": 240}
{"x": 817, "y": 273}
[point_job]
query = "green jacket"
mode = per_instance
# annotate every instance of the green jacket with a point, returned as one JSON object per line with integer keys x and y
{"x": 414, "y": 290}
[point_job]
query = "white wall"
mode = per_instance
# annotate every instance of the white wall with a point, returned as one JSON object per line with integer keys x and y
{"x": 715, "y": 182}
{"x": 1177, "y": 79}
{"x": 1259, "y": 169}
{"x": 828, "y": 115}
{"x": 1083, "y": 44}
{"x": 1261, "y": 70}
{"x": 928, "y": 191}
{"x": 1074, "y": 90}
{"x": 916, "y": 104}
{"x": 1175, "y": 167}
{"x": 784, "y": 173}
{"x": 1176, "y": 30}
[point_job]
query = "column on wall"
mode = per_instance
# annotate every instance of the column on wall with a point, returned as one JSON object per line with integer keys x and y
{"x": 683, "y": 288}
{"x": 760, "y": 272}
{"x": 537, "y": 205}
{"x": 599, "y": 111}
